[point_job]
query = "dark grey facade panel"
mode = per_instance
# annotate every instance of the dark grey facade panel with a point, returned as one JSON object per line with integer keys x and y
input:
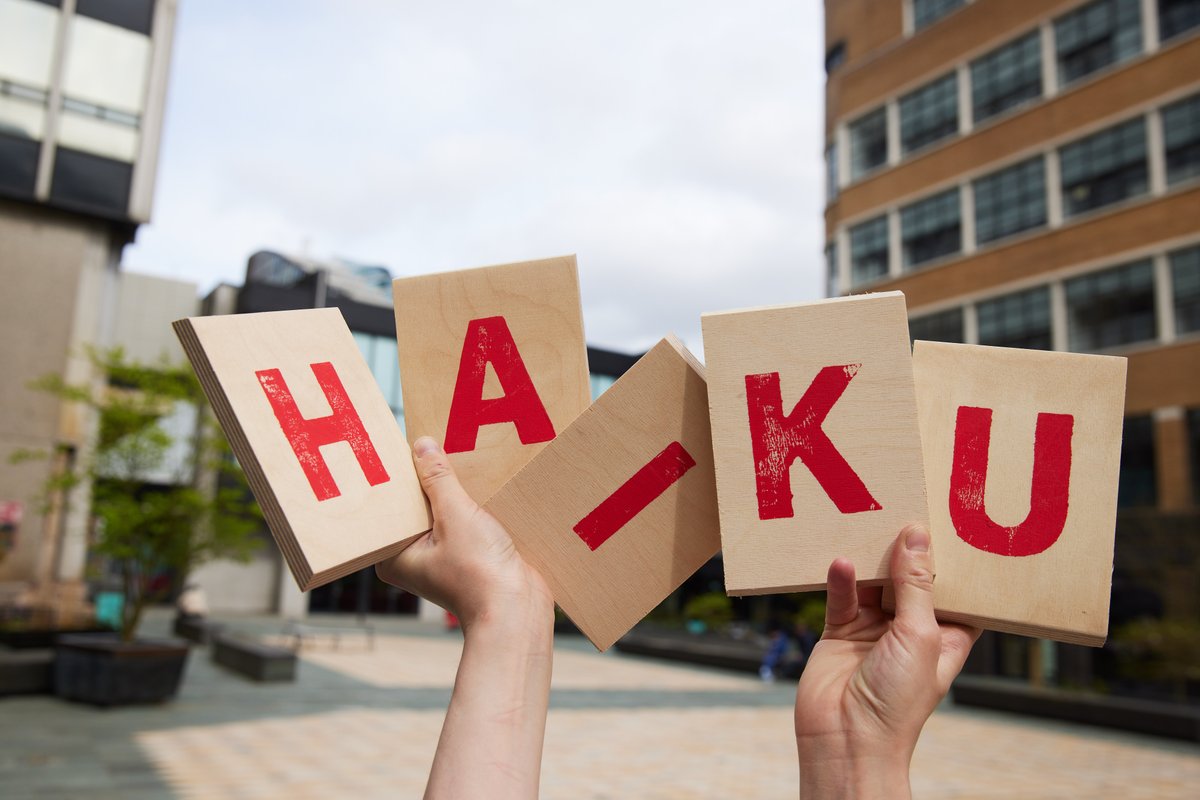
{"x": 18, "y": 166}
{"x": 135, "y": 15}
{"x": 91, "y": 184}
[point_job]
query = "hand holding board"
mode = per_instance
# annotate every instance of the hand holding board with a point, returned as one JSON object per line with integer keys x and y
{"x": 620, "y": 509}
{"x": 319, "y": 444}
{"x": 814, "y": 428}
{"x": 492, "y": 363}
{"x": 1022, "y": 454}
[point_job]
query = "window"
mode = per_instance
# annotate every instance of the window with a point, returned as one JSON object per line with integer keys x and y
{"x": 1176, "y": 17}
{"x": 1104, "y": 168}
{"x": 1193, "y": 423}
{"x": 380, "y": 354}
{"x": 1007, "y": 77}
{"x": 1185, "y": 278}
{"x": 600, "y": 383}
{"x": 835, "y": 57}
{"x": 1181, "y": 138}
{"x": 831, "y": 173}
{"x": 831, "y": 271}
{"x": 1010, "y": 201}
{"x": 945, "y": 326}
{"x": 1111, "y": 308}
{"x": 931, "y": 228}
{"x": 1097, "y": 35}
{"x": 27, "y": 32}
{"x": 1021, "y": 319}
{"x": 927, "y": 12}
{"x": 929, "y": 114}
{"x": 869, "y": 251}
{"x": 1137, "y": 485}
{"x": 868, "y": 143}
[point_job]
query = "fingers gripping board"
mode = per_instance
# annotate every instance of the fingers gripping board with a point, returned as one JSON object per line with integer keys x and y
{"x": 814, "y": 427}
{"x": 621, "y": 508}
{"x": 492, "y": 363}
{"x": 1022, "y": 455}
{"x": 319, "y": 444}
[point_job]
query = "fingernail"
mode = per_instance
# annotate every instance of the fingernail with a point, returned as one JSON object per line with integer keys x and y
{"x": 917, "y": 540}
{"x": 425, "y": 445}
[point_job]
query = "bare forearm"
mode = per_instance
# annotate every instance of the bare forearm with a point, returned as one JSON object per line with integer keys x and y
{"x": 491, "y": 743}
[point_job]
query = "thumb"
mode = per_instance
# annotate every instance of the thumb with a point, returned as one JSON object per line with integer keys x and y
{"x": 447, "y": 497}
{"x": 912, "y": 577}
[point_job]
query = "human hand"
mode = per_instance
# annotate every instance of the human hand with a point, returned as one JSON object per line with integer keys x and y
{"x": 874, "y": 679}
{"x": 467, "y": 563}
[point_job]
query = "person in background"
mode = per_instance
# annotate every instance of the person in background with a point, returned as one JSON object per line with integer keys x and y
{"x": 868, "y": 687}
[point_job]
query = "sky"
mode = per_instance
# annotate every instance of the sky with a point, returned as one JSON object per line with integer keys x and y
{"x": 674, "y": 146}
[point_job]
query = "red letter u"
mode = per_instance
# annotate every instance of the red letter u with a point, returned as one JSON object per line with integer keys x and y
{"x": 1048, "y": 492}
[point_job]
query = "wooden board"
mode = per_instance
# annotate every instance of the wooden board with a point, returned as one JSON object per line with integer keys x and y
{"x": 621, "y": 508}
{"x": 480, "y": 348}
{"x": 1022, "y": 455}
{"x": 337, "y": 487}
{"x": 814, "y": 427}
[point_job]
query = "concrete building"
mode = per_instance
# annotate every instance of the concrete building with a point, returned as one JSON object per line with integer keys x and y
{"x": 1027, "y": 172}
{"x": 82, "y": 88}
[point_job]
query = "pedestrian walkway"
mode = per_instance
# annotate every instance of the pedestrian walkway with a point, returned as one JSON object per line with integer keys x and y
{"x": 364, "y": 723}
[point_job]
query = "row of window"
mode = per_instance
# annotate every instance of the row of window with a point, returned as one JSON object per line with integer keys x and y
{"x": 1139, "y": 469}
{"x": 1101, "y": 169}
{"x": 1084, "y": 41}
{"x": 1108, "y": 308}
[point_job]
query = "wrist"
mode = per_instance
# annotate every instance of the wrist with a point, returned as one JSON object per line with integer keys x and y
{"x": 839, "y": 770}
{"x": 517, "y": 618}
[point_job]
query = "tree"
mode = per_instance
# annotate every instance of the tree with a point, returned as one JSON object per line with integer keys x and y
{"x": 145, "y": 524}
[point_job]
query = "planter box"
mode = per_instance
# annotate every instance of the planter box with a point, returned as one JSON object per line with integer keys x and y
{"x": 26, "y": 671}
{"x": 104, "y": 671}
{"x": 42, "y": 638}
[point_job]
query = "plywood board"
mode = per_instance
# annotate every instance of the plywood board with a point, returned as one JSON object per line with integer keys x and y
{"x": 815, "y": 437}
{"x": 492, "y": 363}
{"x": 1022, "y": 455}
{"x": 320, "y": 447}
{"x": 621, "y": 508}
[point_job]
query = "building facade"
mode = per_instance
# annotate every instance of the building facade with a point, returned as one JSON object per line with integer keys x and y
{"x": 82, "y": 89}
{"x": 1027, "y": 172}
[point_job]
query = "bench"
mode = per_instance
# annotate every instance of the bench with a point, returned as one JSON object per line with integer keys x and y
{"x": 301, "y": 633}
{"x": 261, "y": 662}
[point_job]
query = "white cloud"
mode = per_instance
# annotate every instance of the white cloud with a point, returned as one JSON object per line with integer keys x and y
{"x": 675, "y": 147}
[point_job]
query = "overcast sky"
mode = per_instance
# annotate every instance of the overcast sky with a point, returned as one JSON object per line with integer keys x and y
{"x": 674, "y": 146}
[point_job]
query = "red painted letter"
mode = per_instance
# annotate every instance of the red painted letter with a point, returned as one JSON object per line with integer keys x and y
{"x": 487, "y": 340}
{"x": 634, "y": 495}
{"x": 779, "y": 440}
{"x": 1048, "y": 491}
{"x": 306, "y": 436}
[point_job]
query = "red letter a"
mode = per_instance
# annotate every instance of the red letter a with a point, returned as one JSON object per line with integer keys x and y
{"x": 1048, "y": 491}
{"x": 779, "y": 440}
{"x": 307, "y": 436}
{"x": 489, "y": 340}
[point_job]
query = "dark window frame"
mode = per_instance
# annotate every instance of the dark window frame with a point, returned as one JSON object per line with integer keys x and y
{"x": 927, "y": 232}
{"x": 1112, "y": 307}
{"x": 1003, "y": 80}
{"x": 1091, "y": 179}
{"x": 1020, "y": 319}
{"x": 1010, "y": 201}
{"x": 872, "y": 265}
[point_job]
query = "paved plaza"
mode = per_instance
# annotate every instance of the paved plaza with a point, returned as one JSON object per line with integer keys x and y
{"x": 364, "y": 723}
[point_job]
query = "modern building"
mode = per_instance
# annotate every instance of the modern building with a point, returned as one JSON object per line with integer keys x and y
{"x": 1027, "y": 172}
{"x": 363, "y": 293}
{"x": 82, "y": 89}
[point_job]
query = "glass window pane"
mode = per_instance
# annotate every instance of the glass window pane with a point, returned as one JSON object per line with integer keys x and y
{"x": 1099, "y": 34}
{"x": 1181, "y": 138}
{"x": 832, "y": 289}
{"x": 91, "y": 183}
{"x": 106, "y": 65}
{"x": 869, "y": 251}
{"x": 929, "y": 114}
{"x": 1176, "y": 17}
{"x": 1104, "y": 168}
{"x": 1010, "y": 201}
{"x": 831, "y": 173}
{"x": 1007, "y": 77}
{"x": 931, "y": 228}
{"x": 944, "y": 326}
{"x": 927, "y": 12}
{"x": 1111, "y": 308}
{"x": 1138, "y": 485}
{"x": 600, "y": 383}
{"x": 92, "y": 135}
{"x": 1021, "y": 319}
{"x": 868, "y": 143}
{"x": 1185, "y": 280}
{"x": 385, "y": 366}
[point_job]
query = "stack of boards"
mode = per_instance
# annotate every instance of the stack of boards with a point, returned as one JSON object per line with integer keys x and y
{"x": 816, "y": 433}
